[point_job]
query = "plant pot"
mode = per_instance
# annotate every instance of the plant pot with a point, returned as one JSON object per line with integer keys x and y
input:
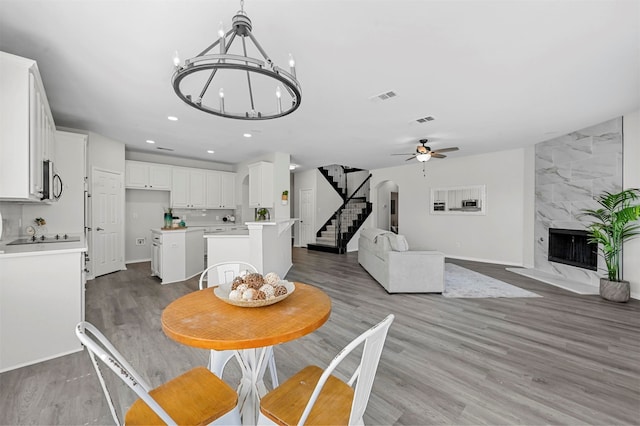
{"x": 616, "y": 291}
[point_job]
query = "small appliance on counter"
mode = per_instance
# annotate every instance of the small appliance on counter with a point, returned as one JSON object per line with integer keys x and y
{"x": 229, "y": 218}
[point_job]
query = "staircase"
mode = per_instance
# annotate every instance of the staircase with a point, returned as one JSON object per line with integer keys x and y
{"x": 334, "y": 235}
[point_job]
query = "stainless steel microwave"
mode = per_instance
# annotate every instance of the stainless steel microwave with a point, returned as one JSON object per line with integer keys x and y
{"x": 51, "y": 182}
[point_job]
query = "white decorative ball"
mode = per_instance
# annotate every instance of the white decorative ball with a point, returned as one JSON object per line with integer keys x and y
{"x": 249, "y": 294}
{"x": 235, "y": 295}
{"x": 271, "y": 278}
{"x": 268, "y": 291}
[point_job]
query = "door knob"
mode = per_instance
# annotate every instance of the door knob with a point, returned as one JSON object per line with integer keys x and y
{"x": 99, "y": 229}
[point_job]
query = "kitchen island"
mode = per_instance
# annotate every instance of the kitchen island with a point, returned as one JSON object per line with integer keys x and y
{"x": 178, "y": 254}
{"x": 266, "y": 245}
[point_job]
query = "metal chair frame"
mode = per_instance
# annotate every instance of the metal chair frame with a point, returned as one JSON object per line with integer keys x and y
{"x": 362, "y": 377}
{"x": 99, "y": 346}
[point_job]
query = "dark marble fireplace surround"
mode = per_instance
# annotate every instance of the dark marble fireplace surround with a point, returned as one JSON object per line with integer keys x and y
{"x": 569, "y": 171}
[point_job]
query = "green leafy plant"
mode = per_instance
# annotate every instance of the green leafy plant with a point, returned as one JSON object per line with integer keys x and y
{"x": 262, "y": 213}
{"x": 613, "y": 226}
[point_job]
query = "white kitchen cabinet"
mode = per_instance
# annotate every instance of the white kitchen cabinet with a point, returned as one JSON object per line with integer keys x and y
{"x": 220, "y": 190}
{"x": 177, "y": 254}
{"x": 188, "y": 188}
{"x": 261, "y": 184}
{"x": 143, "y": 175}
{"x": 27, "y": 129}
{"x": 41, "y": 301}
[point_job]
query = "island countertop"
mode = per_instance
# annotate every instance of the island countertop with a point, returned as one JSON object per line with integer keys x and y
{"x": 228, "y": 233}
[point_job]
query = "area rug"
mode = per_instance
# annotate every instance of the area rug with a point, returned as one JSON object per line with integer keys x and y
{"x": 464, "y": 283}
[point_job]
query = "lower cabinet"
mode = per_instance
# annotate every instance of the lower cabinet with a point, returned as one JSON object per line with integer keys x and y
{"x": 41, "y": 301}
{"x": 177, "y": 254}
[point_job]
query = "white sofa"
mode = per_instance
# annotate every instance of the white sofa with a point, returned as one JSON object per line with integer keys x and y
{"x": 387, "y": 258}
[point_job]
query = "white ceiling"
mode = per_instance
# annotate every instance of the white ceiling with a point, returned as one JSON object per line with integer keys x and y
{"x": 494, "y": 74}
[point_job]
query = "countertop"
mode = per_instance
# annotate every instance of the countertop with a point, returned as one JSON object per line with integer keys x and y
{"x": 176, "y": 230}
{"x": 39, "y": 249}
{"x": 228, "y": 233}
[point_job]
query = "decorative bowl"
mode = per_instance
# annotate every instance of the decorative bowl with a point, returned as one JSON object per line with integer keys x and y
{"x": 222, "y": 292}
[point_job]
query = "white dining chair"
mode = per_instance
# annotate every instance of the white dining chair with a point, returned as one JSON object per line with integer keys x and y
{"x": 224, "y": 273}
{"x": 317, "y": 397}
{"x": 195, "y": 397}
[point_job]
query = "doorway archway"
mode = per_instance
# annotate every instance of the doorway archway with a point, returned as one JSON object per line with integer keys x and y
{"x": 387, "y": 206}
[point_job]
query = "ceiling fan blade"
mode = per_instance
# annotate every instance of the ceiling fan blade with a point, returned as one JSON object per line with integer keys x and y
{"x": 455, "y": 148}
{"x": 436, "y": 155}
{"x": 410, "y": 158}
{"x": 402, "y": 154}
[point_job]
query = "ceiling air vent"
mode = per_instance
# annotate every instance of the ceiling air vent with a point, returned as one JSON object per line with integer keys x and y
{"x": 424, "y": 119}
{"x": 165, "y": 149}
{"x": 384, "y": 96}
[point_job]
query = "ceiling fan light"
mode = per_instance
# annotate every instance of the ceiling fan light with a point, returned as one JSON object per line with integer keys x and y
{"x": 423, "y": 157}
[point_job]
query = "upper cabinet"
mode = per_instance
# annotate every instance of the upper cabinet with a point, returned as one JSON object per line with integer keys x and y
{"x": 188, "y": 188}
{"x": 220, "y": 190}
{"x": 147, "y": 175}
{"x": 261, "y": 184}
{"x": 27, "y": 129}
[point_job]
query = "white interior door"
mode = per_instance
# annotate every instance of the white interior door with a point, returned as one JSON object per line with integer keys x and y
{"x": 107, "y": 222}
{"x": 307, "y": 217}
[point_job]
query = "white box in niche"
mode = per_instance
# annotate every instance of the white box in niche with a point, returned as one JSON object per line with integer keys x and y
{"x": 464, "y": 200}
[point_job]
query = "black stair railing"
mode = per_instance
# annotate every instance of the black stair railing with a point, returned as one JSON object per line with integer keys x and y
{"x": 348, "y": 216}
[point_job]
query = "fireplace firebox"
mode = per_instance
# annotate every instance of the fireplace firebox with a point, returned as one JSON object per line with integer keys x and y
{"x": 572, "y": 247}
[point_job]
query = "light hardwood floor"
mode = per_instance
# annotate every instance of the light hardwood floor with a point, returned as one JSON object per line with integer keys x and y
{"x": 559, "y": 359}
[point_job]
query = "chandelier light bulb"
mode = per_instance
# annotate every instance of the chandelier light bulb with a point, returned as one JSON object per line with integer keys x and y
{"x": 292, "y": 64}
{"x": 176, "y": 59}
{"x": 221, "y": 92}
{"x": 221, "y": 30}
{"x": 279, "y": 100}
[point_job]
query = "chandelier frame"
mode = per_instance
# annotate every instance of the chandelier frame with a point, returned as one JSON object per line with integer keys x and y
{"x": 213, "y": 62}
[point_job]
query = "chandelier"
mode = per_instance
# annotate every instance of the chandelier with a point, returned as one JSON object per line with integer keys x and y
{"x": 233, "y": 84}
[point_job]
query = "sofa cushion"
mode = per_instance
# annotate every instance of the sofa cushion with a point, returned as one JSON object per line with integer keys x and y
{"x": 398, "y": 242}
{"x": 371, "y": 234}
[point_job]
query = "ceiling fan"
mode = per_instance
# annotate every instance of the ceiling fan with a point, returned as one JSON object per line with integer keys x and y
{"x": 424, "y": 153}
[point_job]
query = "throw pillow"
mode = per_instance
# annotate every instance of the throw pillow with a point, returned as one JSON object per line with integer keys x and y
{"x": 398, "y": 242}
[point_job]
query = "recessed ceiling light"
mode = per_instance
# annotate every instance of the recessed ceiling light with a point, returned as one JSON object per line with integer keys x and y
{"x": 172, "y": 118}
{"x": 210, "y": 151}
{"x": 150, "y": 141}
{"x": 247, "y": 135}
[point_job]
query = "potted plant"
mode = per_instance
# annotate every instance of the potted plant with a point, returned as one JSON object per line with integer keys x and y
{"x": 285, "y": 195}
{"x": 612, "y": 227}
{"x": 262, "y": 214}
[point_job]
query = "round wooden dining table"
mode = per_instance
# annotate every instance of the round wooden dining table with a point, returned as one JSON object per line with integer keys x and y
{"x": 202, "y": 320}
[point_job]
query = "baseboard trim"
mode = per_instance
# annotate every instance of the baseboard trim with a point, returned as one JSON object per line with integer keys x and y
{"x": 137, "y": 261}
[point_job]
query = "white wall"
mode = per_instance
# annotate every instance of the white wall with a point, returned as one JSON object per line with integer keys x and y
{"x": 143, "y": 210}
{"x": 631, "y": 179}
{"x": 496, "y": 237}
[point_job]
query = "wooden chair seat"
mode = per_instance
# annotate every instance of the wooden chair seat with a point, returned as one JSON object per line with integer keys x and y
{"x": 285, "y": 404}
{"x": 197, "y": 397}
